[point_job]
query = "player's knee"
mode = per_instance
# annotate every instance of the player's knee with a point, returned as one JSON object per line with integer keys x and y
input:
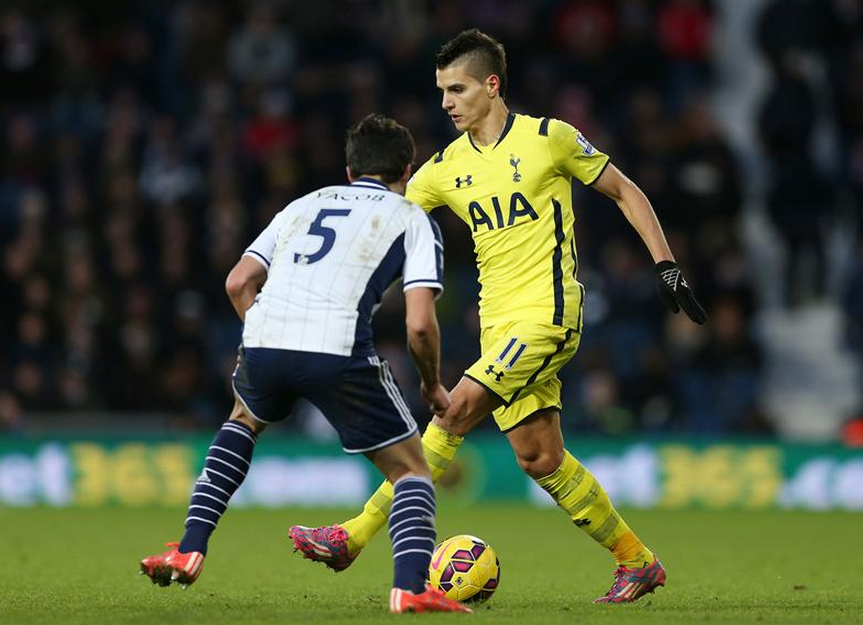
{"x": 540, "y": 463}
{"x": 240, "y": 414}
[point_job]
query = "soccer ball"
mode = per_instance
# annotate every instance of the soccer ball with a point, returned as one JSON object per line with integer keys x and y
{"x": 466, "y": 568}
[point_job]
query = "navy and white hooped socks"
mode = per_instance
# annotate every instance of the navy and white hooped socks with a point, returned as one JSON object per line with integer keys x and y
{"x": 225, "y": 468}
{"x": 412, "y": 531}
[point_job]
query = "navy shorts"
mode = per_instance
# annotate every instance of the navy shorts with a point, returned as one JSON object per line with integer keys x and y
{"x": 358, "y": 395}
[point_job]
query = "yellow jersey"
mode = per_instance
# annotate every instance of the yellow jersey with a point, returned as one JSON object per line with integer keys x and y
{"x": 516, "y": 197}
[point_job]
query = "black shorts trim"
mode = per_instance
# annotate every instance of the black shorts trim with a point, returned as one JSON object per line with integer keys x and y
{"x": 358, "y": 395}
{"x": 385, "y": 444}
{"x": 558, "y": 406}
{"x": 544, "y": 364}
{"x": 486, "y": 387}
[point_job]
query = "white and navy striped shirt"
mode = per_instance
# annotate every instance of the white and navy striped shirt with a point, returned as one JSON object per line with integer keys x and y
{"x": 329, "y": 257}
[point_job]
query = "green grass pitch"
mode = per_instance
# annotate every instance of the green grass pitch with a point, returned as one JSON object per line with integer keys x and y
{"x": 80, "y": 566}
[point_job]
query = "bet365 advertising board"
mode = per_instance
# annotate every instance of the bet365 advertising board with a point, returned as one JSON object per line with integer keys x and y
{"x": 292, "y": 472}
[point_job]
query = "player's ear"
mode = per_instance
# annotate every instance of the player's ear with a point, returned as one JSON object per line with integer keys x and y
{"x": 492, "y": 85}
{"x": 349, "y": 174}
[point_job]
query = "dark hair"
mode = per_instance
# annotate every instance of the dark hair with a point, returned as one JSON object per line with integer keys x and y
{"x": 379, "y": 146}
{"x": 484, "y": 55}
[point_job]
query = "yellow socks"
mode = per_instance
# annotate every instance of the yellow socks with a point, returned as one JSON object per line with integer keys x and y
{"x": 374, "y": 516}
{"x": 439, "y": 447}
{"x": 575, "y": 490}
{"x": 572, "y": 486}
{"x": 631, "y": 552}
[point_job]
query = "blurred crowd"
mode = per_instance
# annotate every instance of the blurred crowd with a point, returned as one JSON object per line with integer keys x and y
{"x": 145, "y": 143}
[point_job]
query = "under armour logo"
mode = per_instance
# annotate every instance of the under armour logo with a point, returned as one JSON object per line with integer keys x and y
{"x": 466, "y": 181}
{"x": 581, "y": 522}
{"x": 497, "y": 374}
{"x": 514, "y": 162}
{"x": 203, "y": 478}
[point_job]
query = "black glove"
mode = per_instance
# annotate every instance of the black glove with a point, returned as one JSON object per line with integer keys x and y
{"x": 675, "y": 292}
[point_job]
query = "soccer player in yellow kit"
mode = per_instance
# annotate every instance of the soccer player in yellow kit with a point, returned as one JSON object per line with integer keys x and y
{"x": 508, "y": 177}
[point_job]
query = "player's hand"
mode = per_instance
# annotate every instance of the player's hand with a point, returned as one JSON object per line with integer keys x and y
{"x": 437, "y": 397}
{"x": 676, "y": 293}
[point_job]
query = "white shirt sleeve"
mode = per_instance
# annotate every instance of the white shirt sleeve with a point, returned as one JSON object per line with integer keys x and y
{"x": 263, "y": 248}
{"x": 423, "y": 253}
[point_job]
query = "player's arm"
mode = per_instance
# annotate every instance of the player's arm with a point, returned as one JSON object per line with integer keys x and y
{"x": 244, "y": 283}
{"x": 636, "y": 208}
{"x": 423, "y": 274}
{"x": 423, "y": 335}
{"x": 249, "y": 275}
{"x": 672, "y": 286}
{"x": 574, "y": 156}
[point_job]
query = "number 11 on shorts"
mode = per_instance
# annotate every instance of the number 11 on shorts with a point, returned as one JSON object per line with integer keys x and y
{"x": 506, "y": 350}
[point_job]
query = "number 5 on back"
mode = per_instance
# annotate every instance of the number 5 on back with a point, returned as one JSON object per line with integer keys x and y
{"x": 320, "y": 230}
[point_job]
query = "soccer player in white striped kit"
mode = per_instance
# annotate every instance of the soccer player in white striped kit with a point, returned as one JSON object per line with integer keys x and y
{"x": 306, "y": 290}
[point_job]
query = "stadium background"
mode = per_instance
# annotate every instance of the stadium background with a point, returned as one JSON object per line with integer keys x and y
{"x": 144, "y": 144}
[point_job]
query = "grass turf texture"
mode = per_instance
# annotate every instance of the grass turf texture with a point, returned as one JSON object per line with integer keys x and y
{"x": 80, "y": 566}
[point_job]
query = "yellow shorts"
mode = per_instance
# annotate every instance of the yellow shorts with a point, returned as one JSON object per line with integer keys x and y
{"x": 519, "y": 365}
